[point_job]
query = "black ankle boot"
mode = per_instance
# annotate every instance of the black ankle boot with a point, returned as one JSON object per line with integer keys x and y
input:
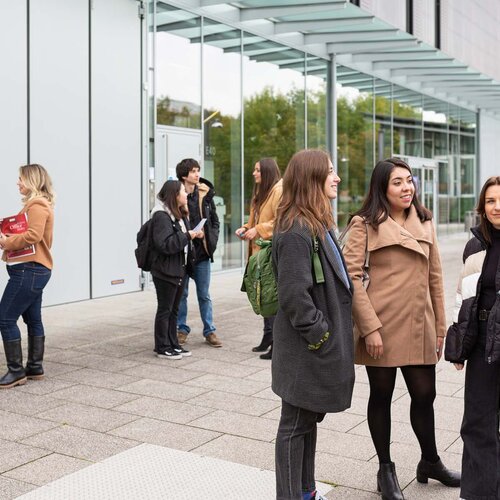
{"x": 438, "y": 471}
{"x": 14, "y": 355}
{"x": 266, "y": 341}
{"x": 34, "y": 368}
{"x": 268, "y": 354}
{"x": 387, "y": 482}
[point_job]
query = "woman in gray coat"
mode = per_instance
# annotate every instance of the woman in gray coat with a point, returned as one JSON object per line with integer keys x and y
{"x": 312, "y": 366}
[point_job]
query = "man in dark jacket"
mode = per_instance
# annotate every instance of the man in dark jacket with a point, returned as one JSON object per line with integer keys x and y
{"x": 201, "y": 206}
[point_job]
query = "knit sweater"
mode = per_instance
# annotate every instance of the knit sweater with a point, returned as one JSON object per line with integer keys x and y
{"x": 39, "y": 233}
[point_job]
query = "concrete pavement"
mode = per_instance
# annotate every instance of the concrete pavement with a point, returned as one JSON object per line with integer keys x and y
{"x": 105, "y": 393}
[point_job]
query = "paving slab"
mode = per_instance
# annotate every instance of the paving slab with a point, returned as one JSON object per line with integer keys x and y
{"x": 47, "y": 469}
{"x": 80, "y": 443}
{"x": 13, "y": 454}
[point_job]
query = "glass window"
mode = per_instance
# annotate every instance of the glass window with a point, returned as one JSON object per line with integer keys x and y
{"x": 355, "y": 153}
{"x": 222, "y": 133}
{"x": 407, "y": 111}
{"x": 383, "y": 132}
{"x": 274, "y": 107}
{"x": 178, "y": 67}
{"x": 316, "y": 88}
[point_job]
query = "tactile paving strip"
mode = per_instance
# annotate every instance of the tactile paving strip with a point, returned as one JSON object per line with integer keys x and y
{"x": 154, "y": 472}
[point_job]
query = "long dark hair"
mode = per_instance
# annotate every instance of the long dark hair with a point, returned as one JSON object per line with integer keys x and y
{"x": 485, "y": 224}
{"x": 168, "y": 196}
{"x": 304, "y": 198}
{"x": 269, "y": 176}
{"x": 376, "y": 207}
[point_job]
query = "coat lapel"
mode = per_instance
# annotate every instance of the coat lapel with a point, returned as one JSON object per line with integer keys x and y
{"x": 411, "y": 236}
{"x": 330, "y": 256}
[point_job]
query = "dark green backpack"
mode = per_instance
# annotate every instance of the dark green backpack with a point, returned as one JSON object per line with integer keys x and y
{"x": 259, "y": 281}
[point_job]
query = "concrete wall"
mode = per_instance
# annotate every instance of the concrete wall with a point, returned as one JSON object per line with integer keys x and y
{"x": 70, "y": 96}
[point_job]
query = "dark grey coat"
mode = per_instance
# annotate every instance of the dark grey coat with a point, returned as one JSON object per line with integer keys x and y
{"x": 322, "y": 380}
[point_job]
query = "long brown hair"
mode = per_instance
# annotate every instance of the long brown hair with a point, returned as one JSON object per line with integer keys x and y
{"x": 269, "y": 176}
{"x": 304, "y": 197}
{"x": 168, "y": 196}
{"x": 485, "y": 224}
{"x": 376, "y": 207}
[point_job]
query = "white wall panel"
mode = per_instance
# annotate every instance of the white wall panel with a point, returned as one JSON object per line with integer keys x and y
{"x": 59, "y": 134}
{"x": 489, "y": 132}
{"x": 116, "y": 145}
{"x": 391, "y": 11}
{"x": 424, "y": 20}
{"x": 13, "y": 105}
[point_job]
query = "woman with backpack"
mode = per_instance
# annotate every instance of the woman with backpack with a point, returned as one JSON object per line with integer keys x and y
{"x": 313, "y": 365}
{"x": 172, "y": 256}
{"x": 265, "y": 199}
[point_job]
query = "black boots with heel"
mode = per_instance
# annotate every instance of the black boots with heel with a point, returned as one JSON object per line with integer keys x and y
{"x": 34, "y": 368}
{"x": 387, "y": 482}
{"x": 438, "y": 471}
{"x": 16, "y": 374}
{"x": 266, "y": 341}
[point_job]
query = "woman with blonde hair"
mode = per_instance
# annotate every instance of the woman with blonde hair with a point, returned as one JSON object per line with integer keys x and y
{"x": 312, "y": 366}
{"x": 265, "y": 198}
{"x": 29, "y": 272}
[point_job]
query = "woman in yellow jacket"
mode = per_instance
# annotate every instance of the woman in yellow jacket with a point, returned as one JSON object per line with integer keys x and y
{"x": 29, "y": 271}
{"x": 265, "y": 200}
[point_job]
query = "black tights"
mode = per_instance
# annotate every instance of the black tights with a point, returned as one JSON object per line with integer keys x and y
{"x": 421, "y": 383}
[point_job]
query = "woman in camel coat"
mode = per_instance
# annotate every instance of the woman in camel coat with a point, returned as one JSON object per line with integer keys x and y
{"x": 265, "y": 200}
{"x": 400, "y": 317}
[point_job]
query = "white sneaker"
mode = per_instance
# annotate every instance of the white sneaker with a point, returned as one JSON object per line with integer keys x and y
{"x": 183, "y": 352}
{"x": 169, "y": 354}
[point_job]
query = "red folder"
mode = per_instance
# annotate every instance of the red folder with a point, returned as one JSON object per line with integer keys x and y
{"x": 16, "y": 224}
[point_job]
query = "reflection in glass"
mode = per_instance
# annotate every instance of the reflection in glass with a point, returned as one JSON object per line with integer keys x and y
{"x": 407, "y": 111}
{"x": 222, "y": 132}
{"x": 178, "y": 67}
{"x": 354, "y": 139}
{"x": 274, "y": 108}
{"x": 316, "y": 78}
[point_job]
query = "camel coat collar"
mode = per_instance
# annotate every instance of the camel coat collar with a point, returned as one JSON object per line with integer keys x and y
{"x": 410, "y": 236}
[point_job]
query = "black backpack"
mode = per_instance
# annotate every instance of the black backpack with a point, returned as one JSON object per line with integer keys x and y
{"x": 144, "y": 251}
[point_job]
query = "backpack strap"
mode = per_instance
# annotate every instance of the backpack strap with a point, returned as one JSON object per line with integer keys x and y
{"x": 316, "y": 262}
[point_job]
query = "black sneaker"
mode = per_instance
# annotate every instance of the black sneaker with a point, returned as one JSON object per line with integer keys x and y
{"x": 183, "y": 352}
{"x": 169, "y": 354}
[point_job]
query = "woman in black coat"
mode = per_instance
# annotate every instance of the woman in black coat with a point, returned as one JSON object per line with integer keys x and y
{"x": 475, "y": 336}
{"x": 312, "y": 365}
{"x": 172, "y": 252}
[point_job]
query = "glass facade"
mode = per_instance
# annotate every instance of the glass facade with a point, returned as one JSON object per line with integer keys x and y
{"x": 239, "y": 97}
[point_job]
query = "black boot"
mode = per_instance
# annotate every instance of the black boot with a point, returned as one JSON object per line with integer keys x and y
{"x": 34, "y": 368}
{"x": 268, "y": 354}
{"x": 14, "y": 355}
{"x": 438, "y": 471}
{"x": 387, "y": 482}
{"x": 266, "y": 341}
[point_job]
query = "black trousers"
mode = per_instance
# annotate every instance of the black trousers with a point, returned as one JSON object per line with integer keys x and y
{"x": 168, "y": 296}
{"x": 295, "y": 451}
{"x": 481, "y": 456}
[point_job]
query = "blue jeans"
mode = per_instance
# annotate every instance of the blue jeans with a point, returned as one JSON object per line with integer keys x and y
{"x": 201, "y": 276}
{"x": 23, "y": 296}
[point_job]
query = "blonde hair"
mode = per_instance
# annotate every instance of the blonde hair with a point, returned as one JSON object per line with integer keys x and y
{"x": 38, "y": 183}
